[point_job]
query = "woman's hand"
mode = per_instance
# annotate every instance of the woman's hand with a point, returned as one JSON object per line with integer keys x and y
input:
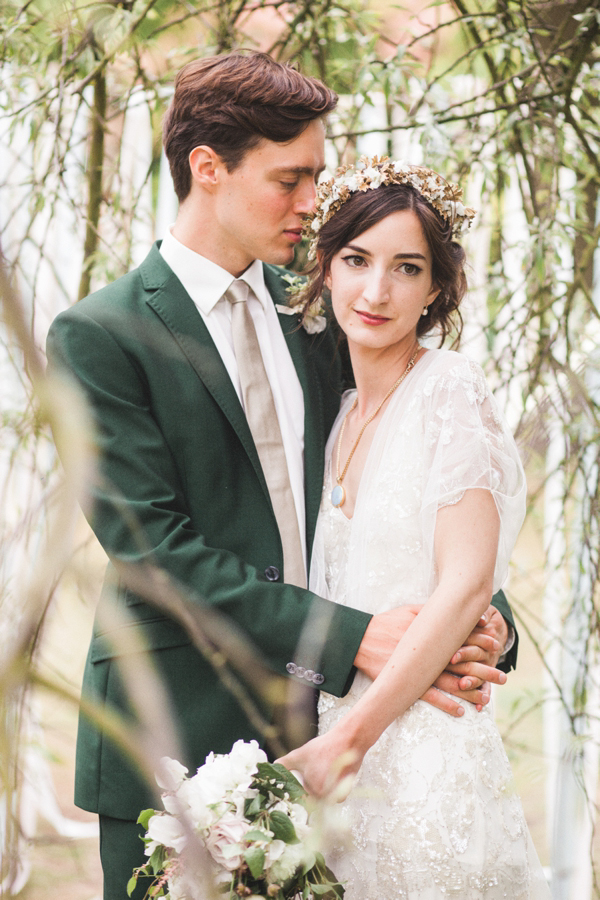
{"x": 327, "y": 765}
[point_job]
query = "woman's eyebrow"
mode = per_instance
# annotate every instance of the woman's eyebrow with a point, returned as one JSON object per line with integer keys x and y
{"x": 364, "y": 252}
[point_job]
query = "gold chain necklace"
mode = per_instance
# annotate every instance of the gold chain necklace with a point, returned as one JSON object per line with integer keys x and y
{"x": 338, "y": 494}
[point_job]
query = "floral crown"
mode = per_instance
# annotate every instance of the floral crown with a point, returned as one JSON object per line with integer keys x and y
{"x": 368, "y": 174}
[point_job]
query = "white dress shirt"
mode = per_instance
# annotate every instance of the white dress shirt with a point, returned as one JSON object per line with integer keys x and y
{"x": 206, "y": 283}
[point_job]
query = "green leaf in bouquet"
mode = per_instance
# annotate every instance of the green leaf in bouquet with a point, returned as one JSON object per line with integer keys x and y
{"x": 255, "y": 857}
{"x": 329, "y": 890}
{"x": 279, "y": 780}
{"x": 252, "y": 806}
{"x": 131, "y": 884}
{"x": 145, "y": 816}
{"x": 282, "y": 827}
{"x": 322, "y": 880}
{"x": 256, "y": 835}
{"x": 309, "y": 862}
{"x": 156, "y": 863}
{"x": 230, "y": 850}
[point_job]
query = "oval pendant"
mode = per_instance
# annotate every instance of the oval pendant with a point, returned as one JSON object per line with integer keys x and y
{"x": 338, "y": 496}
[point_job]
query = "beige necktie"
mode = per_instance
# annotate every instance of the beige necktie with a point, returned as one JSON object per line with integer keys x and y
{"x": 264, "y": 425}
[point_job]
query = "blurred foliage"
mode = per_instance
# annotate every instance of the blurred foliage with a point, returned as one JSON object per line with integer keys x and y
{"x": 499, "y": 94}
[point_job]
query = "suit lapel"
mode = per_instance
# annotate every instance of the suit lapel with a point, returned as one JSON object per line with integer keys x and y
{"x": 300, "y": 345}
{"x": 176, "y": 309}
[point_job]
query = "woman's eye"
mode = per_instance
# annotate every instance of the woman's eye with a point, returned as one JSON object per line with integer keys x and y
{"x": 410, "y": 269}
{"x": 353, "y": 261}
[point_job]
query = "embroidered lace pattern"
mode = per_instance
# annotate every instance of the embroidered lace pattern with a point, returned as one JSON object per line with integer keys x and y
{"x": 433, "y": 813}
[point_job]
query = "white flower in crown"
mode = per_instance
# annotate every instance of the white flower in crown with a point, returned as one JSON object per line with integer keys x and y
{"x": 371, "y": 173}
{"x": 313, "y": 320}
{"x": 352, "y": 182}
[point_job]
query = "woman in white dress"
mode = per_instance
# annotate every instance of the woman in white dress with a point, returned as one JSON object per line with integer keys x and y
{"x": 424, "y": 497}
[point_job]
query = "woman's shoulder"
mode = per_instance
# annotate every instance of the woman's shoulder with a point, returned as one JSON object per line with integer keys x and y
{"x": 450, "y": 370}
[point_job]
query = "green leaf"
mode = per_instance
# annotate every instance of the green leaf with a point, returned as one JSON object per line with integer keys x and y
{"x": 145, "y": 816}
{"x": 256, "y": 835}
{"x": 157, "y": 860}
{"x": 252, "y": 806}
{"x": 334, "y": 888}
{"x": 255, "y": 857}
{"x": 282, "y": 827}
{"x": 309, "y": 863}
{"x": 230, "y": 850}
{"x": 131, "y": 885}
{"x": 279, "y": 775}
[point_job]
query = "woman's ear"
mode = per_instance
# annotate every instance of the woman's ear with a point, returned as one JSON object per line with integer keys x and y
{"x": 433, "y": 293}
{"x": 327, "y": 274}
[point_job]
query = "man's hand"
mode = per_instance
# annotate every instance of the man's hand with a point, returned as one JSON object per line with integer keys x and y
{"x": 470, "y": 672}
{"x": 381, "y": 637}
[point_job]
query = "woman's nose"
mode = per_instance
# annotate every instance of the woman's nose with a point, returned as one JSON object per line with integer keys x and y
{"x": 376, "y": 288}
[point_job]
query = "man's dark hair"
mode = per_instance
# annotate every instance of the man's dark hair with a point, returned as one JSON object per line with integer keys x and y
{"x": 230, "y": 103}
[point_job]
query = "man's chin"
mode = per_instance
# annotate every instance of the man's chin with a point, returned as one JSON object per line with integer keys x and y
{"x": 280, "y": 256}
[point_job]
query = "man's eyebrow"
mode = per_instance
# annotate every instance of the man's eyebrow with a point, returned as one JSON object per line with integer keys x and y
{"x": 364, "y": 252}
{"x": 299, "y": 170}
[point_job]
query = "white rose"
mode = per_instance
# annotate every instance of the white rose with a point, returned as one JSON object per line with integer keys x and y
{"x": 226, "y": 832}
{"x": 288, "y": 863}
{"x": 165, "y": 830}
{"x": 197, "y": 799}
{"x": 273, "y": 852}
{"x": 299, "y": 817}
{"x": 170, "y": 774}
{"x": 315, "y": 324}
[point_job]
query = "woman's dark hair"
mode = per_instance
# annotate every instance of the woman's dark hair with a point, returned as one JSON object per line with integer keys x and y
{"x": 232, "y": 102}
{"x": 362, "y": 211}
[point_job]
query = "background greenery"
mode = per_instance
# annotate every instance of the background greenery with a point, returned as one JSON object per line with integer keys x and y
{"x": 502, "y": 96}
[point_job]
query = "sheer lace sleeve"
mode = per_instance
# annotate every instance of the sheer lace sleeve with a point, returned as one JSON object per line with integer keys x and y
{"x": 468, "y": 445}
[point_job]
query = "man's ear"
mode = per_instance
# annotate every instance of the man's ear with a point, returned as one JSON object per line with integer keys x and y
{"x": 205, "y": 166}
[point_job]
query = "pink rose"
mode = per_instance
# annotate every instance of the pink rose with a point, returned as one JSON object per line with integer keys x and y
{"x": 223, "y": 842}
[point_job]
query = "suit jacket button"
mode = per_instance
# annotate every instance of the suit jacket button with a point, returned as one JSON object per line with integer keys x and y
{"x": 272, "y": 573}
{"x": 318, "y": 678}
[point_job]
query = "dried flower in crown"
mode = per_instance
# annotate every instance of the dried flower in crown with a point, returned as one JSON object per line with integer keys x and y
{"x": 368, "y": 174}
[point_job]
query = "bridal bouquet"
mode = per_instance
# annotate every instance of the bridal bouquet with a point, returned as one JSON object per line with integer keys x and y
{"x": 238, "y": 828}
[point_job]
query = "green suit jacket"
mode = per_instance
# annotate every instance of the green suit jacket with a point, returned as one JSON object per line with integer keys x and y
{"x": 181, "y": 487}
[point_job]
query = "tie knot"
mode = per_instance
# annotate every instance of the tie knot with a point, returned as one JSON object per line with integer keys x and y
{"x": 237, "y": 292}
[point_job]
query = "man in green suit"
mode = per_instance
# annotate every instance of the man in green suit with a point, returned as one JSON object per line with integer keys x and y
{"x": 181, "y": 486}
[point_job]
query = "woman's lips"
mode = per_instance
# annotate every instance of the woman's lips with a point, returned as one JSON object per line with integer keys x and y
{"x": 370, "y": 319}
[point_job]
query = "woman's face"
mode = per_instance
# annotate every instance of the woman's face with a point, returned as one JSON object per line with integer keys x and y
{"x": 381, "y": 281}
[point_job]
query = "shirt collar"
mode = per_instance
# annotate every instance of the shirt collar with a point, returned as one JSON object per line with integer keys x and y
{"x": 204, "y": 280}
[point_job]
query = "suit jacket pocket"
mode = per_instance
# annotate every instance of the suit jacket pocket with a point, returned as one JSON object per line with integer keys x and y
{"x": 137, "y": 636}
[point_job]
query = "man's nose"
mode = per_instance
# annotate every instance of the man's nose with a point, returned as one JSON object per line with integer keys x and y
{"x": 306, "y": 199}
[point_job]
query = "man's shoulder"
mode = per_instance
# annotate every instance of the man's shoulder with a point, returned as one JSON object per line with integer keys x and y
{"x": 125, "y": 292}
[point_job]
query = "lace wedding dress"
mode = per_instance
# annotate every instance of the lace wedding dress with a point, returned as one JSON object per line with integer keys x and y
{"x": 433, "y": 813}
